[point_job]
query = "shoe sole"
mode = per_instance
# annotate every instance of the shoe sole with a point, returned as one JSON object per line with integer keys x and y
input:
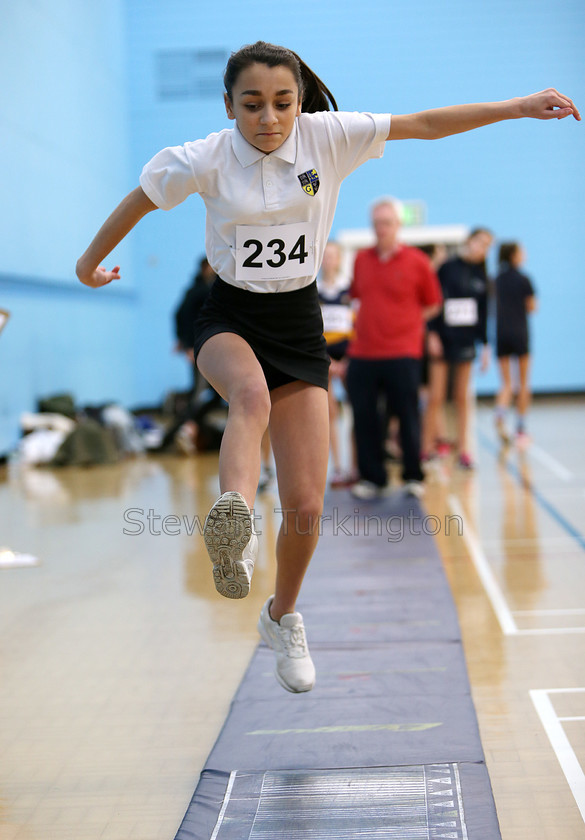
{"x": 226, "y": 533}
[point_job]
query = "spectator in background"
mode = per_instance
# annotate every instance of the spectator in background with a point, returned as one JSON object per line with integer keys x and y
{"x": 397, "y": 291}
{"x": 333, "y": 287}
{"x": 189, "y": 308}
{"x": 515, "y": 298}
{"x": 438, "y": 254}
{"x": 183, "y": 429}
{"x": 452, "y": 339}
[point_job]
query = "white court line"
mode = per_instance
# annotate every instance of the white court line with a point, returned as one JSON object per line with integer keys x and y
{"x": 483, "y": 569}
{"x": 576, "y": 611}
{"x": 550, "y": 631}
{"x": 548, "y": 461}
{"x": 560, "y": 743}
{"x": 497, "y": 599}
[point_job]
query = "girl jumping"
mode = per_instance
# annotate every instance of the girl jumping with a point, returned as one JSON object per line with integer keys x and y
{"x": 270, "y": 186}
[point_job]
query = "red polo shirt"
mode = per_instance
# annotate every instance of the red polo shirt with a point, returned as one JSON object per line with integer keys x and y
{"x": 392, "y": 295}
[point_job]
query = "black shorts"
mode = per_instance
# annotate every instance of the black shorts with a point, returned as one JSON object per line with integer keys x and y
{"x": 284, "y": 329}
{"x": 512, "y": 346}
{"x": 453, "y": 351}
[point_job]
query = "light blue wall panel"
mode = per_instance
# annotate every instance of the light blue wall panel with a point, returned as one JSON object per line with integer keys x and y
{"x": 64, "y": 149}
{"x": 64, "y": 130}
{"x": 523, "y": 179}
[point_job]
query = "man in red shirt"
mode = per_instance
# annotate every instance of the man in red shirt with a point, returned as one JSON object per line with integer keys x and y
{"x": 398, "y": 291}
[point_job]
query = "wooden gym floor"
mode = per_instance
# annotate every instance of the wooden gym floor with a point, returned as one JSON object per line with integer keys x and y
{"x": 118, "y": 659}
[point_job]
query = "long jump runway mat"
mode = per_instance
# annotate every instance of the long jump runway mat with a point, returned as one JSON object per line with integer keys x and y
{"x": 386, "y": 745}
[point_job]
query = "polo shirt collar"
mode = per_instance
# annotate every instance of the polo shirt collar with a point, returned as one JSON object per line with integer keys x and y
{"x": 248, "y": 154}
{"x": 395, "y": 253}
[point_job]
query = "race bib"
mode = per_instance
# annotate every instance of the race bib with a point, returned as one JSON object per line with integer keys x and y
{"x": 461, "y": 312}
{"x": 337, "y": 318}
{"x": 276, "y": 252}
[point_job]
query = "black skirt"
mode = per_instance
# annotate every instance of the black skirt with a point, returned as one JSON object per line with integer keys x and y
{"x": 284, "y": 329}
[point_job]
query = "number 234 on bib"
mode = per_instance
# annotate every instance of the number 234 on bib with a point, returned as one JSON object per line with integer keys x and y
{"x": 275, "y": 252}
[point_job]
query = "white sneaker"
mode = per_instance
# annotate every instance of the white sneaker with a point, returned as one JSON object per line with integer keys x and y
{"x": 367, "y": 490}
{"x": 231, "y": 544}
{"x": 294, "y": 667}
{"x": 414, "y": 488}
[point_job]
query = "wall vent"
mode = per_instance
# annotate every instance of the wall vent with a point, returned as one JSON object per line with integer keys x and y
{"x": 190, "y": 74}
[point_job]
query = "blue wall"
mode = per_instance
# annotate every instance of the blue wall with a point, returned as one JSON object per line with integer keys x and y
{"x": 64, "y": 146}
{"x": 81, "y": 114}
{"x": 523, "y": 179}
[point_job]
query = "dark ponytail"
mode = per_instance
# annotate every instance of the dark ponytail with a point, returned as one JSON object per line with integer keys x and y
{"x": 315, "y": 95}
{"x": 507, "y": 252}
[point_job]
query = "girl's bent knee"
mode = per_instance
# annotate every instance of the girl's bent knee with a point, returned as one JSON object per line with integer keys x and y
{"x": 252, "y": 397}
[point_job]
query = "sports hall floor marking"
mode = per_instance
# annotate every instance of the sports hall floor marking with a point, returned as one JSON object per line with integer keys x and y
{"x": 505, "y": 616}
{"x": 548, "y": 461}
{"x": 488, "y": 444}
{"x": 560, "y": 743}
{"x": 484, "y": 571}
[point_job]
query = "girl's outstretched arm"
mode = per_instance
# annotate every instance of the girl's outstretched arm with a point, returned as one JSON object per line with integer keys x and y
{"x": 127, "y": 214}
{"x": 455, "y": 119}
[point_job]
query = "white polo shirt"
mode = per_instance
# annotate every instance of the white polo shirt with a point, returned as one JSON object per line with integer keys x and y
{"x": 268, "y": 215}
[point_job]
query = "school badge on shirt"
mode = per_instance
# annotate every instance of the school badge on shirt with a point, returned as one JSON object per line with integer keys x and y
{"x": 310, "y": 181}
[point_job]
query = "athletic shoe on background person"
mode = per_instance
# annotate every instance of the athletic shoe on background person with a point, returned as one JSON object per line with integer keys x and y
{"x": 340, "y": 480}
{"x": 465, "y": 462}
{"x": 367, "y": 490}
{"x": 443, "y": 448}
{"x": 294, "y": 667}
{"x": 428, "y": 459}
{"x": 231, "y": 544}
{"x": 415, "y": 489}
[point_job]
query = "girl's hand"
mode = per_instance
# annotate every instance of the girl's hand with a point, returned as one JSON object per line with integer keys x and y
{"x": 100, "y": 277}
{"x": 485, "y": 358}
{"x": 548, "y": 104}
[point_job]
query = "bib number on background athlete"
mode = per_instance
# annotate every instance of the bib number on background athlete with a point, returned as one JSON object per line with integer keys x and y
{"x": 337, "y": 318}
{"x": 277, "y": 252}
{"x": 461, "y": 312}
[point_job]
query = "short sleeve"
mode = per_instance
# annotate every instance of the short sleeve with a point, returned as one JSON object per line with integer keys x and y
{"x": 355, "y": 138}
{"x": 168, "y": 178}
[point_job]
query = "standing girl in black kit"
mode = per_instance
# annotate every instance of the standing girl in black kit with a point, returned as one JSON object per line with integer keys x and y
{"x": 452, "y": 338}
{"x": 515, "y": 299}
{"x": 270, "y": 187}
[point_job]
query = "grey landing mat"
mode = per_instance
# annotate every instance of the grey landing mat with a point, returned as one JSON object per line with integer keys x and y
{"x": 386, "y": 745}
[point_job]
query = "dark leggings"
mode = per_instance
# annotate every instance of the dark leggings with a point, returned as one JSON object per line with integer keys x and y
{"x": 397, "y": 382}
